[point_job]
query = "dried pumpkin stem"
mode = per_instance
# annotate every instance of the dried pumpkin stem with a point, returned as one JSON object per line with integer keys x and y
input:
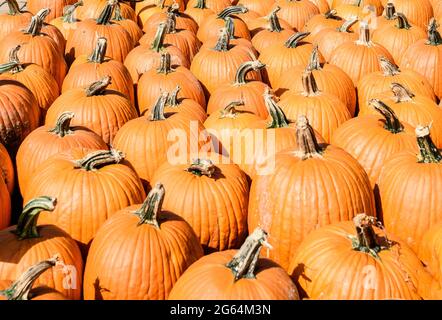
{"x": 434, "y": 37}
{"x": 148, "y": 213}
{"x": 230, "y": 110}
{"x": 69, "y": 12}
{"x": 200, "y": 4}
{"x": 172, "y": 101}
{"x": 202, "y": 167}
{"x": 107, "y": 13}
{"x": 274, "y": 24}
{"x": 36, "y": 23}
{"x": 390, "y": 10}
{"x": 244, "y": 263}
{"x": 428, "y": 152}
{"x": 402, "y": 21}
{"x": 392, "y": 122}
{"x": 14, "y": 65}
{"x": 364, "y": 34}
{"x": 96, "y": 159}
{"x": 13, "y": 7}
{"x": 231, "y": 11}
{"x": 99, "y": 53}
{"x": 244, "y": 69}
{"x": 223, "y": 42}
{"x": 157, "y": 113}
{"x": 295, "y": 39}
{"x": 158, "y": 41}
{"x": 279, "y": 119}
{"x": 309, "y": 84}
{"x": 388, "y": 68}
{"x": 171, "y": 23}
{"x": 230, "y": 26}
{"x": 20, "y": 289}
{"x": 308, "y": 146}
{"x": 117, "y": 15}
{"x": 332, "y": 14}
{"x": 27, "y": 222}
{"x": 314, "y": 63}
{"x": 345, "y": 27}
{"x": 366, "y": 240}
{"x": 98, "y": 87}
{"x": 401, "y": 94}
{"x": 63, "y": 125}
{"x": 165, "y": 63}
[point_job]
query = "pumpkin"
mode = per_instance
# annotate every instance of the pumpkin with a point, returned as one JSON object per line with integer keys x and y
{"x": 248, "y": 16}
{"x": 289, "y": 219}
{"x": 22, "y": 288}
{"x": 363, "y": 4}
{"x": 199, "y": 11}
{"x": 402, "y": 176}
{"x": 146, "y": 9}
{"x": 165, "y": 243}
{"x": 55, "y": 6}
{"x": 358, "y": 9}
{"x": 151, "y": 140}
{"x": 6, "y": 169}
{"x": 144, "y": 57}
{"x": 82, "y": 40}
{"x": 249, "y": 92}
{"x": 323, "y": 5}
{"x": 20, "y": 113}
{"x": 68, "y": 22}
{"x": 297, "y": 12}
{"x": 13, "y": 19}
{"x": 215, "y": 5}
{"x": 269, "y": 30}
{"x": 215, "y": 66}
{"x": 236, "y": 275}
{"x": 51, "y": 31}
{"x": 89, "y": 68}
{"x": 372, "y": 140}
{"x": 326, "y": 110}
{"x": 26, "y": 244}
{"x": 329, "y": 79}
{"x": 398, "y": 38}
{"x": 181, "y": 19}
{"x": 379, "y": 82}
{"x": 322, "y": 21}
{"x": 260, "y": 7}
{"x": 210, "y": 26}
{"x": 40, "y": 82}
{"x": 166, "y": 78}
{"x": 107, "y": 185}
{"x": 387, "y": 17}
{"x": 102, "y": 110}
{"x": 424, "y": 57}
{"x": 429, "y": 251}
{"x": 92, "y": 9}
{"x": 36, "y": 47}
{"x": 5, "y": 204}
{"x": 280, "y": 57}
{"x": 361, "y": 57}
{"x": 128, "y": 24}
{"x": 337, "y": 263}
{"x": 47, "y": 141}
{"x": 418, "y": 12}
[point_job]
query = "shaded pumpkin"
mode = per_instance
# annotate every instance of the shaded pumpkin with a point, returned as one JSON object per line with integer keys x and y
{"x": 430, "y": 253}
{"x": 147, "y": 8}
{"x": 51, "y": 31}
{"x": 297, "y": 12}
{"x": 7, "y": 172}
{"x": 55, "y": 6}
{"x": 68, "y": 21}
{"x": 13, "y": 19}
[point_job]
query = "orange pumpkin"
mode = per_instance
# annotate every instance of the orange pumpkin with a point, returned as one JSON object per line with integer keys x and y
{"x": 47, "y": 141}
{"x": 418, "y": 12}
{"x": 362, "y": 4}
{"x": 298, "y": 12}
{"x": 26, "y": 243}
{"x": 323, "y": 5}
{"x": 236, "y": 275}
{"x": 92, "y": 9}
{"x": 430, "y": 251}
{"x": 260, "y": 7}
{"x": 387, "y": 18}
{"x": 6, "y": 169}
{"x": 215, "y": 5}
{"x": 13, "y": 19}
{"x": 322, "y": 21}
{"x": 102, "y": 110}
{"x": 51, "y": 31}
{"x": 5, "y": 205}
{"x": 127, "y": 23}
{"x": 55, "y": 6}
{"x": 182, "y": 20}
{"x": 171, "y": 244}
{"x": 200, "y": 11}
{"x": 289, "y": 219}
{"x": 68, "y": 22}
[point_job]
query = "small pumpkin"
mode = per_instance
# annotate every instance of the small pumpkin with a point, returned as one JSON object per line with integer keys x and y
{"x": 7, "y": 172}
{"x": 55, "y": 6}
{"x": 13, "y": 19}
{"x": 297, "y": 12}
{"x": 68, "y": 22}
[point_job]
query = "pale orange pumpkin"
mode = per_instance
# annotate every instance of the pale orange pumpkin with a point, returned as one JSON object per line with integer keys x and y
{"x": 418, "y": 12}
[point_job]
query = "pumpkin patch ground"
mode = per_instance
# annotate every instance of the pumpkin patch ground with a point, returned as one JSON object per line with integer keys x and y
{"x": 220, "y": 150}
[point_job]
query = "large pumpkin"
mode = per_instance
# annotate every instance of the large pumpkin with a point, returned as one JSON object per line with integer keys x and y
{"x": 13, "y": 19}
{"x": 297, "y": 12}
{"x": 164, "y": 243}
{"x": 68, "y": 22}
{"x": 290, "y": 202}
{"x": 7, "y": 172}
{"x": 25, "y": 244}
{"x": 102, "y": 110}
{"x": 56, "y": 7}
{"x": 236, "y": 275}
{"x": 51, "y": 31}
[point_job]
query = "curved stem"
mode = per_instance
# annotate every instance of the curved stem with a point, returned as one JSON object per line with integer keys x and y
{"x": 428, "y": 152}
{"x": 14, "y": 65}
{"x": 434, "y": 37}
{"x": 279, "y": 119}
{"x": 295, "y": 39}
{"x": 392, "y": 122}
{"x": 158, "y": 41}
{"x": 345, "y": 27}
{"x": 96, "y": 159}
{"x": 401, "y": 94}
{"x": 231, "y": 11}
{"x": 223, "y": 42}
{"x": 314, "y": 63}
{"x": 171, "y": 23}
{"x": 149, "y": 211}
{"x": 35, "y": 26}
{"x": 388, "y": 68}
{"x": 98, "y": 87}
{"x": 107, "y": 13}
{"x": 202, "y": 167}
{"x": 68, "y": 12}
{"x": 308, "y": 146}
{"x": 13, "y": 7}
{"x": 21, "y": 288}
{"x": 275, "y": 26}
{"x": 244, "y": 263}
{"x": 402, "y": 21}
{"x": 165, "y": 63}
{"x": 309, "y": 84}
{"x": 332, "y": 14}
{"x": 200, "y": 4}
{"x": 99, "y": 53}
{"x": 390, "y": 10}
{"x": 366, "y": 240}
{"x": 230, "y": 26}
{"x": 172, "y": 101}
{"x": 117, "y": 15}
{"x": 27, "y": 222}
{"x": 230, "y": 110}
{"x": 364, "y": 34}
{"x": 63, "y": 125}
{"x": 244, "y": 69}
{"x": 157, "y": 113}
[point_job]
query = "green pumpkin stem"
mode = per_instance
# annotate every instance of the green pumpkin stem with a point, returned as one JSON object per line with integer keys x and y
{"x": 63, "y": 125}
{"x": 345, "y": 27}
{"x": 392, "y": 122}
{"x": 107, "y": 13}
{"x": 308, "y": 146}
{"x": 100, "y": 158}
{"x": 158, "y": 41}
{"x": 366, "y": 239}
{"x": 428, "y": 152}
{"x": 151, "y": 207}
{"x": 244, "y": 69}
{"x": 202, "y": 167}
{"x": 231, "y": 11}
{"x": 223, "y": 42}
{"x": 157, "y": 113}
{"x": 14, "y": 65}
{"x": 69, "y": 12}
{"x": 98, "y": 87}
{"x": 388, "y": 68}
{"x": 99, "y": 53}
{"x": 172, "y": 101}
{"x": 401, "y": 94}
{"x": 390, "y": 10}
{"x": 21, "y": 288}
{"x": 295, "y": 39}
{"x": 230, "y": 110}
{"x": 27, "y": 222}
{"x": 434, "y": 37}
{"x": 245, "y": 261}
{"x": 279, "y": 119}
{"x": 275, "y": 25}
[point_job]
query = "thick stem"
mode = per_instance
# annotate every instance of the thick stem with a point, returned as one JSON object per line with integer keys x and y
{"x": 171, "y": 23}
{"x": 98, "y": 87}
{"x": 21, "y": 288}
{"x": 279, "y": 119}
{"x": 274, "y": 24}
{"x": 390, "y": 10}
{"x": 332, "y": 14}
{"x": 63, "y": 125}
{"x": 27, "y": 222}
{"x": 231, "y": 11}
{"x": 107, "y": 13}
{"x": 149, "y": 211}
{"x": 392, "y": 122}
{"x": 314, "y": 63}
{"x": 202, "y": 167}
{"x": 68, "y": 12}
{"x": 223, "y": 42}
{"x": 295, "y": 39}
{"x": 172, "y": 101}
{"x": 388, "y": 68}
{"x": 230, "y": 110}
{"x": 434, "y": 37}
{"x": 366, "y": 240}
{"x": 345, "y": 27}
{"x": 309, "y": 84}
{"x": 165, "y": 63}
{"x": 308, "y": 146}
{"x": 36, "y": 23}
{"x": 244, "y": 69}
{"x": 401, "y": 94}
{"x": 99, "y": 53}
{"x": 158, "y": 41}
{"x": 245, "y": 261}
{"x": 118, "y": 16}
{"x": 428, "y": 152}
{"x": 97, "y": 159}
{"x": 157, "y": 113}
{"x": 364, "y": 34}
{"x": 230, "y": 26}
{"x": 201, "y": 4}
{"x": 402, "y": 21}
{"x": 13, "y": 7}
{"x": 14, "y": 65}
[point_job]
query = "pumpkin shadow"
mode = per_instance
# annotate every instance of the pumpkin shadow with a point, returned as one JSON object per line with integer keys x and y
{"x": 98, "y": 289}
{"x": 299, "y": 272}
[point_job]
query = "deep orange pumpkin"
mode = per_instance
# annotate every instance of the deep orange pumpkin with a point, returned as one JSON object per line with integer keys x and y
{"x": 215, "y": 5}
{"x": 13, "y": 19}
{"x": 260, "y": 7}
{"x": 182, "y": 19}
{"x": 68, "y": 22}
{"x": 92, "y": 9}
{"x": 56, "y": 7}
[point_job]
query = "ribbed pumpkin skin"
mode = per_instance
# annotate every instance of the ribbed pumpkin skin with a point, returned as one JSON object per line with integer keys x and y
{"x": 91, "y": 9}
{"x": 16, "y": 256}
{"x": 7, "y": 168}
{"x": 104, "y": 114}
{"x": 209, "y": 278}
{"x": 41, "y": 144}
{"x": 183, "y": 21}
{"x": 215, "y": 207}
{"x": 430, "y": 251}
{"x": 263, "y": 24}
{"x": 417, "y": 12}
{"x": 82, "y": 73}
{"x": 320, "y": 22}
{"x": 330, "y": 79}
{"x": 85, "y": 199}
{"x": 265, "y": 38}
{"x": 55, "y": 34}
{"x": 407, "y": 191}
{"x": 376, "y": 3}
{"x": 366, "y": 139}
{"x": 162, "y": 257}
{"x": 10, "y": 23}
{"x": 132, "y": 28}
{"x": 65, "y": 27}
{"x": 288, "y": 219}
{"x": 216, "y": 5}
{"x": 210, "y": 26}
{"x": 20, "y": 113}
{"x": 261, "y": 7}
{"x": 186, "y": 108}
{"x": 5, "y": 205}
{"x": 198, "y": 15}
{"x": 297, "y": 13}
{"x": 329, "y": 39}
{"x": 327, "y": 268}
{"x": 56, "y": 7}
